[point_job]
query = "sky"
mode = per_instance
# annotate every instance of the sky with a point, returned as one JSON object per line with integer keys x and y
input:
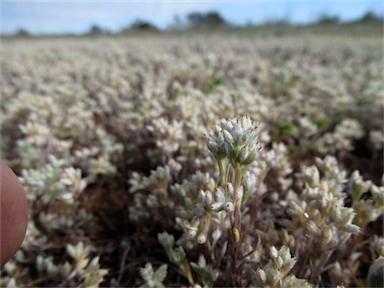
{"x": 71, "y": 16}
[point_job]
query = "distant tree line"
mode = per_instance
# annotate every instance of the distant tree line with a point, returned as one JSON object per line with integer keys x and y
{"x": 213, "y": 20}
{"x": 368, "y": 17}
{"x": 208, "y": 20}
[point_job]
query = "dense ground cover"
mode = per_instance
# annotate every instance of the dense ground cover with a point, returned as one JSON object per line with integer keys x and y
{"x": 109, "y": 138}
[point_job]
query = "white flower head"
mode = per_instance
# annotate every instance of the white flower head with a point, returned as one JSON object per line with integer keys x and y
{"x": 241, "y": 140}
{"x": 215, "y": 143}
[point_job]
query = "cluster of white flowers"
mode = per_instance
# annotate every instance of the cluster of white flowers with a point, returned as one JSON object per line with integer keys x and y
{"x": 120, "y": 140}
{"x": 274, "y": 272}
{"x": 341, "y": 138}
{"x": 239, "y": 139}
{"x": 84, "y": 269}
{"x": 367, "y": 210}
{"x": 322, "y": 210}
{"x": 53, "y": 181}
{"x": 320, "y": 213}
{"x": 168, "y": 135}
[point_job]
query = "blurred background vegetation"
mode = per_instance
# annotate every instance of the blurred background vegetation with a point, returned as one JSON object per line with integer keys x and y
{"x": 369, "y": 24}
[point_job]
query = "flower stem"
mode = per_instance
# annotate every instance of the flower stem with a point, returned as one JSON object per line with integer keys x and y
{"x": 188, "y": 273}
{"x": 238, "y": 175}
{"x": 236, "y": 226}
{"x": 222, "y": 171}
